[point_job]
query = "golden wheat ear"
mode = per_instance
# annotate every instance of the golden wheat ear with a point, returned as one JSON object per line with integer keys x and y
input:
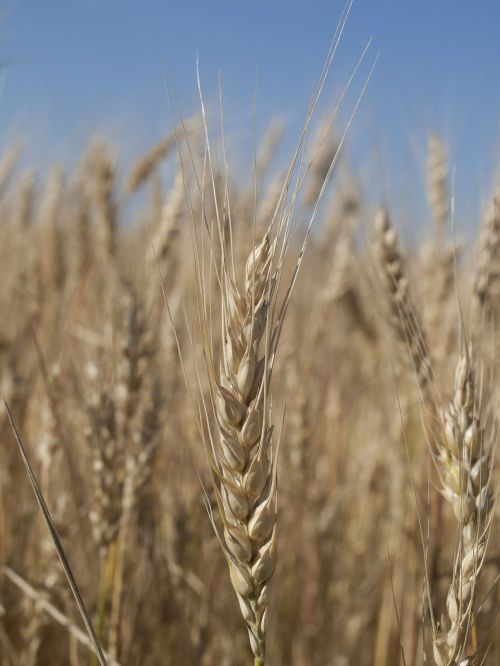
{"x": 463, "y": 457}
{"x": 57, "y": 543}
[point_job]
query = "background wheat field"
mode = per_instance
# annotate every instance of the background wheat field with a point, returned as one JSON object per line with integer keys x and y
{"x": 250, "y": 407}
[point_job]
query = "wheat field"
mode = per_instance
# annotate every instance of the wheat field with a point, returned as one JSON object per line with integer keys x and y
{"x": 261, "y": 421}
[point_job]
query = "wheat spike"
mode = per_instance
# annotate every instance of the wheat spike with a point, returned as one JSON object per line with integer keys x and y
{"x": 26, "y": 201}
{"x": 437, "y": 179}
{"x": 402, "y": 315}
{"x": 147, "y": 165}
{"x": 487, "y": 270}
{"x": 101, "y": 169}
{"x": 464, "y": 465}
{"x": 323, "y": 153}
{"x": 241, "y": 453}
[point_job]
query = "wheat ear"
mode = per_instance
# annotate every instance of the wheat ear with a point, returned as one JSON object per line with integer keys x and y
{"x": 464, "y": 466}
{"x": 404, "y": 321}
{"x": 487, "y": 270}
{"x": 25, "y": 201}
{"x": 437, "y": 179}
{"x": 242, "y": 458}
{"x": 150, "y": 162}
{"x": 240, "y": 448}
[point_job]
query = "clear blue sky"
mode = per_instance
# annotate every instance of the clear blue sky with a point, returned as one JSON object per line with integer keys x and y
{"x": 76, "y": 66}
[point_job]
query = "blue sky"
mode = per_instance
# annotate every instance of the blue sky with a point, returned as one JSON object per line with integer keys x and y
{"x": 72, "y": 67}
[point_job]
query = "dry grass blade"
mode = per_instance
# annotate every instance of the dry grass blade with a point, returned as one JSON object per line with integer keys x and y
{"x": 57, "y": 543}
